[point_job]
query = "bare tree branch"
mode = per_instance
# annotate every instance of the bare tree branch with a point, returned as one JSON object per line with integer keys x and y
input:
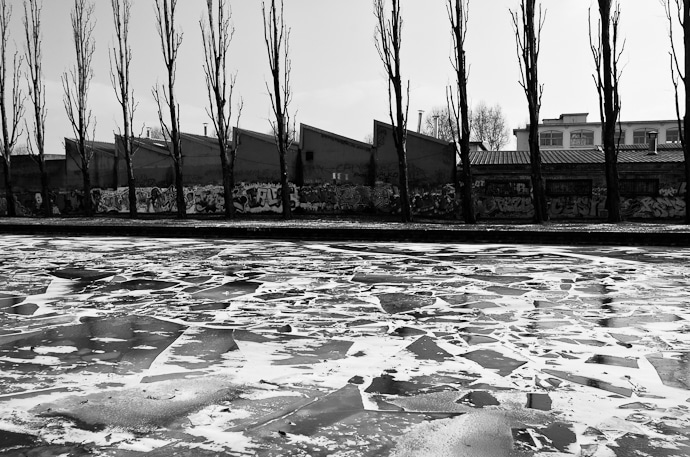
{"x": 458, "y": 14}
{"x": 388, "y": 39}
{"x": 36, "y": 93}
{"x": 607, "y": 54}
{"x": 120, "y": 62}
{"x": 277, "y": 40}
{"x": 217, "y": 33}
{"x": 527, "y": 29}
{"x": 10, "y": 121}
{"x": 170, "y": 41}
{"x": 681, "y": 12}
{"x": 76, "y": 84}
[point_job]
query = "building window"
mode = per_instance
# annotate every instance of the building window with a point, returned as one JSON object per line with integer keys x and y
{"x": 672, "y": 136}
{"x": 582, "y": 138}
{"x": 551, "y": 138}
{"x": 640, "y": 135}
{"x": 639, "y": 187}
{"x": 507, "y": 188}
{"x": 620, "y": 136}
{"x": 568, "y": 187}
{"x": 309, "y": 156}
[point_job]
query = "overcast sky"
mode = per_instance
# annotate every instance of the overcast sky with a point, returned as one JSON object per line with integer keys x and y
{"x": 337, "y": 79}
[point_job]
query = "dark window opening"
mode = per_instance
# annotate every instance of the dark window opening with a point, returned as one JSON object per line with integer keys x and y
{"x": 507, "y": 188}
{"x": 639, "y": 187}
{"x": 568, "y": 187}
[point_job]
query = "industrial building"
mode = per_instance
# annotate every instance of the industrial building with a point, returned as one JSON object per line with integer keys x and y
{"x": 333, "y": 174}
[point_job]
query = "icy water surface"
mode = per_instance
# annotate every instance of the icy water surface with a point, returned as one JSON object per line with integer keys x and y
{"x": 129, "y": 347}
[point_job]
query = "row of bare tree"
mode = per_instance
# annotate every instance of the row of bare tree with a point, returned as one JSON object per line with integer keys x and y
{"x": 528, "y": 21}
{"x": 217, "y": 32}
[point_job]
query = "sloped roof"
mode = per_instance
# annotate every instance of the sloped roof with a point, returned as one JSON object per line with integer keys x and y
{"x": 667, "y": 153}
{"x": 304, "y": 127}
{"x": 97, "y": 146}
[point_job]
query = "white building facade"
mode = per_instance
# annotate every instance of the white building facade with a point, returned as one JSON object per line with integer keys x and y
{"x": 571, "y": 131}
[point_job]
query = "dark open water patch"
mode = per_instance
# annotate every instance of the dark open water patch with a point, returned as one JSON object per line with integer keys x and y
{"x": 13, "y": 440}
{"x": 388, "y": 385}
{"x": 82, "y": 274}
{"x": 613, "y": 361}
{"x": 494, "y": 361}
{"x": 538, "y": 401}
{"x": 127, "y": 343}
{"x": 632, "y": 444}
{"x": 637, "y": 321}
{"x": 673, "y": 371}
{"x": 400, "y": 303}
{"x": 585, "y": 381}
{"x": 478, "y": 399}
{"x": 425, "y": 348}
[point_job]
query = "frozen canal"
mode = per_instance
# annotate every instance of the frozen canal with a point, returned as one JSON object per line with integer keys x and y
{"x": 128, "y": 347}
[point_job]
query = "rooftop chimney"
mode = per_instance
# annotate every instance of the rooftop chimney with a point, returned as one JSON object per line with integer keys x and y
{"x": 148, "y": 132}
{"x": 652, "y": 138}
{"x": 419, "y": 124}
{"x": 205, "y": 128}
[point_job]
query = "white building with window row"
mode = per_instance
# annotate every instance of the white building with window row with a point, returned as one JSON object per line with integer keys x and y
{"x": 571, "y": 131}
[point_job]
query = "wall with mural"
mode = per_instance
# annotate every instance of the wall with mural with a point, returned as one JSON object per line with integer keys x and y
{"x": 669, "y": 204}
{"x": 264, "y": 198}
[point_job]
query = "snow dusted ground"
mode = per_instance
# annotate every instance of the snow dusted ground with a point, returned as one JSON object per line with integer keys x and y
{"x": 128, "y": 347}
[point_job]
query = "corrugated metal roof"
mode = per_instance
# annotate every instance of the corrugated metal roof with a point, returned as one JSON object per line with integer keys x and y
{"x": 667, "y": 153}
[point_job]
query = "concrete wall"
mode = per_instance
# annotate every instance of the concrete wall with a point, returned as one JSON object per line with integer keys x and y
{"x": 503, "y": 192}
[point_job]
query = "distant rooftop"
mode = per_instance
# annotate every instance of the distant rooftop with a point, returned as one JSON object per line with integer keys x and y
{"x": 667, "y": 153}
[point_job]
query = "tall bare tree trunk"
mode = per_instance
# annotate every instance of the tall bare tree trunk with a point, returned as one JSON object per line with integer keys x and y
{"x": 34, "y": 58}
{"x": 217, "y": 34}
{"x": 171, "y": 39}
{"x": 388, "y": 41}
{"x": 680, "y": 11}
{"x": 76, "y": 85}
{"x": 277, "y": 37}
{"x": 11, "y": 120}
{"x": 528, "y": 39}
{"x": 606, "y": 56}
{"x": 686, "y": 119}
{"x": 458, "y": 15}
{"x": 122, "y": 57}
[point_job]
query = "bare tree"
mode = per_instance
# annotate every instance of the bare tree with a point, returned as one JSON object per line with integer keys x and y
{"x": 76, "y": 85}
{"x": 680, "y": 11}
{"x": 35, "y": 78}
{"x": 388, "y": 37}
{"x": 436, "y": 124}
{"x": 217, "y": 33}
{"x": 489, "y": 125}
{"x": 528, "y": 40}
{"x": 606, "y": 60}
{"x": 458, "y": 14}
{"x": 277, "y": 38}
{"x": 15, "y": 100}
{"x": 171, "y": 39}
{"x": 120, "y": 60}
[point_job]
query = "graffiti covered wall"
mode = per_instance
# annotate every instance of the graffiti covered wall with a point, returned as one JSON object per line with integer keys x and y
{"x": 669, "y": 204}
{"x": 264, "y": 198}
